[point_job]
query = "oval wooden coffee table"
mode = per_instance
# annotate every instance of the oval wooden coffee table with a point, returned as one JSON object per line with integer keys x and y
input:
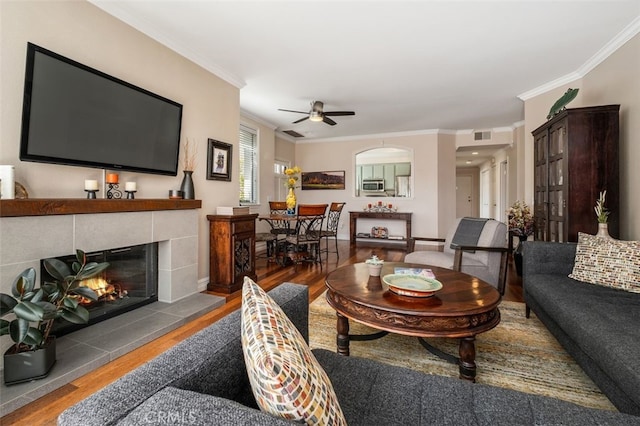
{"x": 464, "y": 307}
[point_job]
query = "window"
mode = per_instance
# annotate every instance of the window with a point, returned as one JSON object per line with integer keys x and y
{"x": 280, "y": 179}
{"x": 248, "y": 165}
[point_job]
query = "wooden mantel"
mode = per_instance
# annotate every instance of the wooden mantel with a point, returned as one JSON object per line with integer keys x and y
{"x": 61, "y": 206}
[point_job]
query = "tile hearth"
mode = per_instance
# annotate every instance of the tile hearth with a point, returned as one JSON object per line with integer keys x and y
{"x": 85, "y": 350}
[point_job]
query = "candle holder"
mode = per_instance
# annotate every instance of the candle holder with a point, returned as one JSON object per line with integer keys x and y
{"x": 113, "y": 192}
{"x": 130, "y": 194}
{"x": 91, "y": 193}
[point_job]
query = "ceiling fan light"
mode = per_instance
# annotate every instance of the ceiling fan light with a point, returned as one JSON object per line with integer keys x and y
{"x": 315, "y": 116}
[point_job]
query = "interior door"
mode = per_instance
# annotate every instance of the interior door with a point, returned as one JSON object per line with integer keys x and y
{"x": 485, "y": 193}
{"x": 464, "y": 196}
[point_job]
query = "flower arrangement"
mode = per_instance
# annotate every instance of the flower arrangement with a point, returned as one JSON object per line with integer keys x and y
{"x": 293, "y": 174}
{"x": 520, "y": 219}
{"x": 602, "y": 213}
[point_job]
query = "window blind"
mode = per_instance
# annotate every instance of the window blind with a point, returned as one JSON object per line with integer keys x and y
{"x": 248, "y": 165}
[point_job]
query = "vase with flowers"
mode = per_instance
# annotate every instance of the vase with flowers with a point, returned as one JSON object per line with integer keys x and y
{"x": 602, "y": 213}
{"x": 521, "y": 225}
{"x": 293, "y": 174}
{"x": 189, "y": 153}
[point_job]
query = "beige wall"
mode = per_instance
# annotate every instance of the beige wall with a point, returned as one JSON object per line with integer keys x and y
{"x": 433, "y": 178}
{"x": 83, "y": 32}
{"x": 614, "y": 81}
{"x": 617, "y": 81}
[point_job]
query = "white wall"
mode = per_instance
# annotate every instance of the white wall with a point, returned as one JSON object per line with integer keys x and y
{"x": 432, "y": 187}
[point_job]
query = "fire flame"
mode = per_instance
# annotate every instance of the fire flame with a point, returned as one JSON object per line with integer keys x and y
{"x": 102, "y": 288}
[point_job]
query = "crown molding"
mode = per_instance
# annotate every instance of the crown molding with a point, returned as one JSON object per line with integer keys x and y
{"x": 247, "y": 115}
{"x": 148, "y": 29}
{"x": 614, "y": 44}
{"x": 373, "y": 136}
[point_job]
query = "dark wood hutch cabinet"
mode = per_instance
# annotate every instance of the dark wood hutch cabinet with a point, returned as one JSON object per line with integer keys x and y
{"x": 232, "y": 251}
{"x": 576, "y": 157}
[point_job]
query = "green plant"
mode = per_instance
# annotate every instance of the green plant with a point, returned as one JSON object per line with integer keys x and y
{"x": 57, "y": 299}
{"x": 602, "y": 213}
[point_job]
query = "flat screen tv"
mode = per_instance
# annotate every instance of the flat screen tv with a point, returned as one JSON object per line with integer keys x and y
{"x": 76, "y": 115}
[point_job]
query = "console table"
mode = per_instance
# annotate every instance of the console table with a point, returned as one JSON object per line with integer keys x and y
{"x": 354, "y": 216}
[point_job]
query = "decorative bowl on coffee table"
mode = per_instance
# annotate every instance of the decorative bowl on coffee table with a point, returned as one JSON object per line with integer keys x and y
{"x": 412, "y": 285}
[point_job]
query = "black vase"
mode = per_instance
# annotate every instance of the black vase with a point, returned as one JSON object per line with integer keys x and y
{"x": 187, "y": 186}
{"x": 517, "y": 255}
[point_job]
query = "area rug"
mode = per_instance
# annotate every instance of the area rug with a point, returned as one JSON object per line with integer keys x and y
{"x": 518, "y": 354}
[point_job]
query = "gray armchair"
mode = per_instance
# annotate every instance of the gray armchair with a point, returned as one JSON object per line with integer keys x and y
{"x": 486, "y": 259}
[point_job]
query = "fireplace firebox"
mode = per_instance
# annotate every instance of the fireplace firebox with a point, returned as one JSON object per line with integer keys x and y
{"x": 131, "y": 281}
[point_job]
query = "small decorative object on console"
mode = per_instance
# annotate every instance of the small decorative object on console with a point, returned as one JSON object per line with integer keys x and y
{"x": 379, "y": 232}
{"x": 380, "y": 208}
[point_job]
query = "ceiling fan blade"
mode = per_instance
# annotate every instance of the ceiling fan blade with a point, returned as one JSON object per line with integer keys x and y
{"x": 302, "y": 119}
{"x": 328, "y": 120}
{"x": 337, "y": 113}
{"x": 290, "y": 110}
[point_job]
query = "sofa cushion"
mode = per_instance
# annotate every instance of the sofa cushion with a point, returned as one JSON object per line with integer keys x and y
{"x": 608, "y": 262}
{"x": 285, "y": 377}
{"x": 602, "y": 321}
{"x": 183, "y": 407}
{"x": 373, "y": 393}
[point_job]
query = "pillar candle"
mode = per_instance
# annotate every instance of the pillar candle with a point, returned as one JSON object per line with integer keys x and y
{"x": 130, "y": 186}
{"x": 91, "y": 185}
{"x": 112, "y": 178}
{"x": 7, "y": 180}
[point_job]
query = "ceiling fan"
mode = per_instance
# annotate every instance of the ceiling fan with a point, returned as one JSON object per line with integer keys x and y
{"x": 317, "y": 114}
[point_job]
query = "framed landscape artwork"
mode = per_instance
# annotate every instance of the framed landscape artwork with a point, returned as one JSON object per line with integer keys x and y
{"x": 219, "y": 160}
{"x": 323, "y": 180}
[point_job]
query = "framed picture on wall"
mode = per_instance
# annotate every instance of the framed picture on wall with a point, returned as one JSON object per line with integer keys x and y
{"x": 219, "y": 160}
{"x": 323, "y": 180}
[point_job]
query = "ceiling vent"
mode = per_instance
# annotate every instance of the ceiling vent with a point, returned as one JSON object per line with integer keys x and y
{"x": 482, "y": 136}
{"x": 293, "y": 133}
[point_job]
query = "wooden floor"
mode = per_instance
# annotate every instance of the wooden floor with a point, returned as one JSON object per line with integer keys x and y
{"x": 45, "y": 410}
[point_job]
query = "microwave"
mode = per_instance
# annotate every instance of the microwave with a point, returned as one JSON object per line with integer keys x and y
{"x": 372, "y": 185}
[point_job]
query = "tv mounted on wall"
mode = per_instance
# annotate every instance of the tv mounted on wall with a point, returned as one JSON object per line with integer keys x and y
{"x": 76, "y": 115}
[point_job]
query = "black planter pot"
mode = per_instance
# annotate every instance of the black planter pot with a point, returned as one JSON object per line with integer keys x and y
{"x": 517, "y": 255}
{"x": 31, "y": 365}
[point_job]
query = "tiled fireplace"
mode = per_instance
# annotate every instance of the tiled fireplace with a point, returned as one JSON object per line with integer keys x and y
{"x": 130, "y": 281}
{"x": 31, "y": 230}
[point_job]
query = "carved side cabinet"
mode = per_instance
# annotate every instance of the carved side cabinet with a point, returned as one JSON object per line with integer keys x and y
{"x": 232, "y": 251}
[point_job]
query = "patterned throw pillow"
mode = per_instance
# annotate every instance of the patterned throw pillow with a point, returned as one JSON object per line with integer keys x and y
{"x": 286, "y": 379}
{"x": 607, "y": 262}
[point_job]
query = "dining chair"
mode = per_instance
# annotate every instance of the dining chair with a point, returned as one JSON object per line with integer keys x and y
{"x": 304, "y": 245}
{"x": 331, "y": 230}
{"x": 280, "y": 228}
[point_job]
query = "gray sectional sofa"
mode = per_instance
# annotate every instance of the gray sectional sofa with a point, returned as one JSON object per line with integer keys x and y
{"x": 598, "y": 326}
{"x": 202, "y": 381}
